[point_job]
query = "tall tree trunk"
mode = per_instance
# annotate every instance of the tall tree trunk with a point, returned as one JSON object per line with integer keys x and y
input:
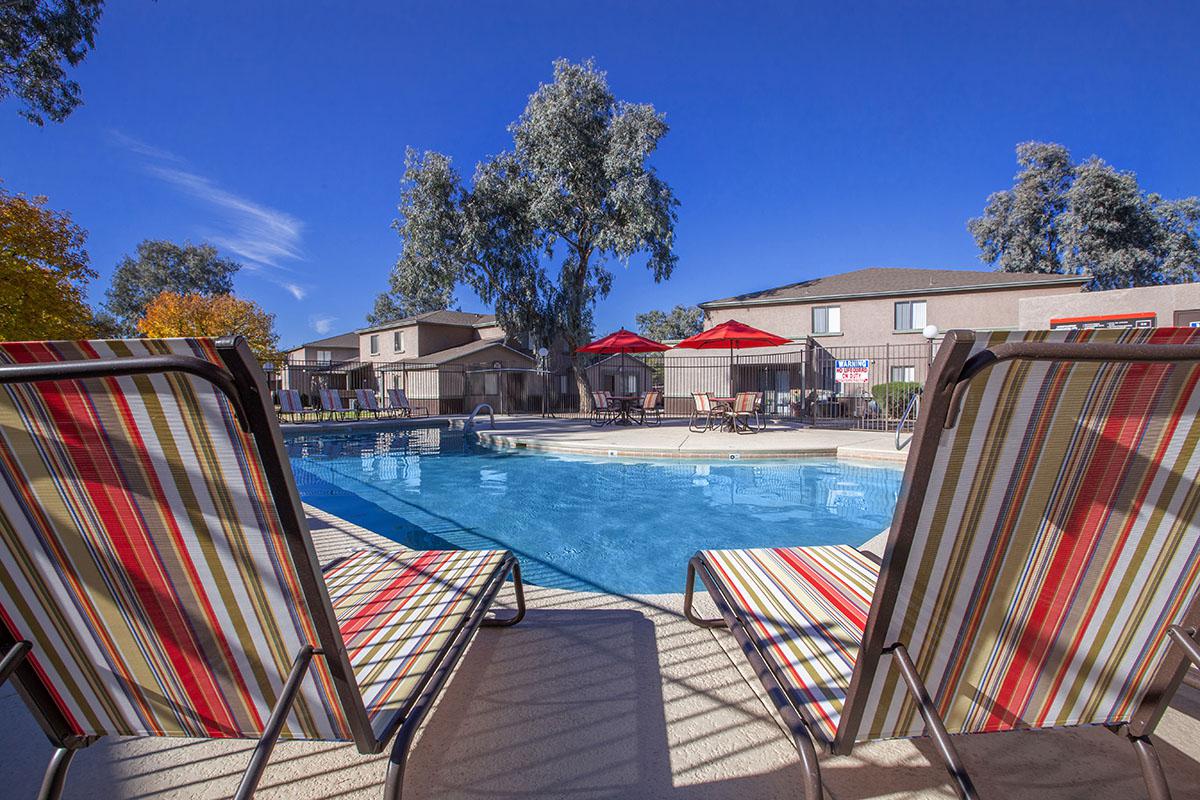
{"x": 582, "y": 383}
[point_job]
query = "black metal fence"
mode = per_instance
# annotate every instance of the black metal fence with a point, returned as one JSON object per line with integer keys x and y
{"x": 831, "y": 387}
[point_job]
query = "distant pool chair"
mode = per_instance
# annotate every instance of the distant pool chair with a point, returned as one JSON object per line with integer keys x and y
{"x": 331, "y": 404}
{"x": 158, "y": 578}
{"x": 651, "y": 409}
{"x": 367, "y": 403}
{"x": 398, "y": 402}
{"x": 746, "y": 406}
{"x": 291, "y": 405}
{"x": 604, "y": 409}
{"x": 1042, "y": 569}
{"x": 703, "y": 408}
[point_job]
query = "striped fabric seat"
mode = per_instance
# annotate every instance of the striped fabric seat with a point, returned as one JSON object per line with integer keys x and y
{"x": 367, "y": 400}
{"x": 331, "y": 401}
{"x": 1061, "y": 536}
{"x": 158, "y": 578}
{"x": 1042, "y": 567}
{"x": 806, "y": 608}
{"x": 397, "y": 611}
{"x": 289, "y": 402}
{"x": 142, "y": 556}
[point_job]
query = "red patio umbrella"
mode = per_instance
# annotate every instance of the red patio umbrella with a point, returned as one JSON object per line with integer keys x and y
{"x": 732, "y": 335}
{"x": 623, "y": 342}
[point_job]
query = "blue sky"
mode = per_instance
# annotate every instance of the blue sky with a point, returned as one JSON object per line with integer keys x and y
{"x": 805, "y": 138}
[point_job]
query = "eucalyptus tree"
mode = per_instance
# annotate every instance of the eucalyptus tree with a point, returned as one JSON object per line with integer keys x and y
{"x": 537, "y": 228}
{"x": 36, "y": 38}
{"x": 678, "y": 323}
{"x": 162, "y": 266}
{"x": 408, "y": 296}
{"x": 1087, "y": 218}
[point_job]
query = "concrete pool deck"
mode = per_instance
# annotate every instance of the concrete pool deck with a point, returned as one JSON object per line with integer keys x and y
{"x": 602, "y": 696}
{"x": 672, "y": 439}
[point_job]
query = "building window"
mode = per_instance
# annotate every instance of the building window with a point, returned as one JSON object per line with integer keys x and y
{"x": 374, "y": 343}
{"x": 398, "y": 342}
{"x": 324, "y": 356}
{"x": 906, "y": 373}
{"x": 910, "y": 315}
{"x": 827, "y": 319}
{"x": 491, "y": 384}
{"x": 562, "y": 384}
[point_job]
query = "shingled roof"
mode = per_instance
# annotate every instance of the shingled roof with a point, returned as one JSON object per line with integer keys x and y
{"x": 461, "y": 318}
{"x": 884, "y": 281}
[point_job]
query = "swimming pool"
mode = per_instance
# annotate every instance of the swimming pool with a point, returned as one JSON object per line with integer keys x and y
{"x": 618, "y": 526}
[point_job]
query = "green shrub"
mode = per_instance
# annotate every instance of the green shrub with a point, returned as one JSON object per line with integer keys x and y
{"x": 892, "y": 397}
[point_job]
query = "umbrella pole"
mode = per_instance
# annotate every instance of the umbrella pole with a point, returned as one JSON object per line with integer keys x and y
{"x": 731, "y": 368}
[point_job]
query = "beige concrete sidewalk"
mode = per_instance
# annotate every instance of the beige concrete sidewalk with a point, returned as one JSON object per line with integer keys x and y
{"x": 601, "y": 696}
{"x": 672, "y": 439}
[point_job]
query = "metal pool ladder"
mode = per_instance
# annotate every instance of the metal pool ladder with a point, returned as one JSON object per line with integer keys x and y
{"x": 470, "y": 423}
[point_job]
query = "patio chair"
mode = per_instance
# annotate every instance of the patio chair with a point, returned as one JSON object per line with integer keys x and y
{"x": 1042, "y": 569}
{"x": 331, "y": 404}
{"x": 367, "y": 403}
{"x": 650, "y": 407}
{"x": 745, "y": 406}
{"x": 398, "y": 402}
{"x": 291, "y": 405}
{"x": 157, "y": 576}
{"x": 705, "y": 409}
{"x": 604, "y": 410}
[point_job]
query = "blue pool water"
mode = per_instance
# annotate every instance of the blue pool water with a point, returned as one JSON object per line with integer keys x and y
{"x": 626, "y": 527}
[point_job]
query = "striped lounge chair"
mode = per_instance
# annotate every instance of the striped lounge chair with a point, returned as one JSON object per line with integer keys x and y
{"x": 1043, "y": 565}
{"x": 705, "y": 413}
{"x": 651, "y": 407}
{"x": 604, "y": 410}
{"x": 745, "y": 407}
{"x": 332, "y": 406}
{"x": 367, "y": 402}
{"x": 292, "y": 406}
{"x": 157, "y": 576}
{"x": 398, "y": 402}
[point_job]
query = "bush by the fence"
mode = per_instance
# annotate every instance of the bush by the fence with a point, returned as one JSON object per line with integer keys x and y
{"x": 893, "y": 396}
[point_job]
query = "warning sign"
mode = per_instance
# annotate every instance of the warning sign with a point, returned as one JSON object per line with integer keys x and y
{"x": 852, "y": 370}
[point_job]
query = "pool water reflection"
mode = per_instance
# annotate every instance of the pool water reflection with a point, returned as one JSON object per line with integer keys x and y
{"x": 625, "y": 527}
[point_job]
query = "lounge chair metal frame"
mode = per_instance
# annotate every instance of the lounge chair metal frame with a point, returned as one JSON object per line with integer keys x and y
{"x": 943, "y": 395}
{"x": 242, "y": 385}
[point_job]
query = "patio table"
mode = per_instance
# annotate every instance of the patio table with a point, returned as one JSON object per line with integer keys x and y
{"x": 625, "y": 415}
{"x": 726, "y": 403}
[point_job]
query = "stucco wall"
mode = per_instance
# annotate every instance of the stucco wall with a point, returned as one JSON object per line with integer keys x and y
{"x": 1162, "y": 301}
{"x": 869, "y": 321}
{"x": 310, "y": 353}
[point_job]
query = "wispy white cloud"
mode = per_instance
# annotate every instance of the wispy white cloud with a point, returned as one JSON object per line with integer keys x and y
{"x": 321, "y": 324}
{"x": 264, "y": 238}
{"x": 138, "y": 147}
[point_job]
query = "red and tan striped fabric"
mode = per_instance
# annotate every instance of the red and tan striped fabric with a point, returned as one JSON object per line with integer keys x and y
{"x": 806, "y": 607}
{"x": 289, "y": 402}
{"x": 1059, "y": 539}
{"x": 397, "y": 611}
{"x": 650, "y": 401}
{"x": 331, "y": 401}
{"x": 141, "y": 554}
{"x": 366, "y": 400}
{"x": 703, "y": 402}
{"x": 745, "y": 402}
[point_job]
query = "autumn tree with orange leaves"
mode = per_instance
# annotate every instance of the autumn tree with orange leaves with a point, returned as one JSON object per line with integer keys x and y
{"x": 44, "y": 272}
{"x": 172, "y": 314}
